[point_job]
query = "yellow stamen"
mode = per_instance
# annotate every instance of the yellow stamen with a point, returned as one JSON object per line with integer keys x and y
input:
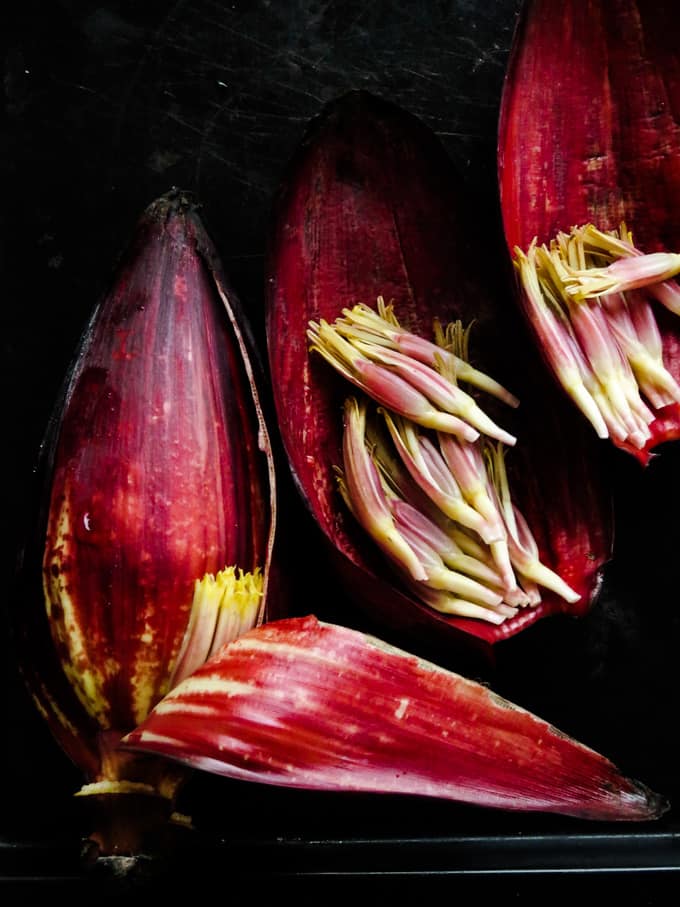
{"x": 224, "y": 606}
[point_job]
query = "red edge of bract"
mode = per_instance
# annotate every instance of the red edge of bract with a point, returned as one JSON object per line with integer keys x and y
{"x": 312, "y": 705}
{"x": 588, "y": 133}
{"x": 372, "y": 206}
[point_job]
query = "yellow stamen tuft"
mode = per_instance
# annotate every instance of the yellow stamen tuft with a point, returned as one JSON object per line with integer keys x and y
{"x": 224, "y": 606}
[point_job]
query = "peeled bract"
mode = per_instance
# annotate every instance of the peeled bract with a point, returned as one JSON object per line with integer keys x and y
{"x": 589, "y": 137}
{"x": 372, "y": 208}
{"x": 307, "y": 704}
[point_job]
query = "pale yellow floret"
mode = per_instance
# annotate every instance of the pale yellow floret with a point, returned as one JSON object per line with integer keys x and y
{"x": 87, "y": 676}
{"x": 224, "y": 606}
{"x": 96, "y": 788}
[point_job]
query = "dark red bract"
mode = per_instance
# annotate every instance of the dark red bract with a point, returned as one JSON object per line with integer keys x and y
{"x": 372, "y": 206}
{"x": 589, "y": 134}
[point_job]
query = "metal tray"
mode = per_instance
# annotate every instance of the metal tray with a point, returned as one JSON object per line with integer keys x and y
{"x": 108, "y": 105}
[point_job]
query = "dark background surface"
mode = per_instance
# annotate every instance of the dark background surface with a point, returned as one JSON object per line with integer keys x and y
{"x": 106, "y": 107}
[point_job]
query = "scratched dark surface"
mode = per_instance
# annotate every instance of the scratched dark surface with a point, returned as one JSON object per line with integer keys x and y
{"x": 107, "y": 106}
